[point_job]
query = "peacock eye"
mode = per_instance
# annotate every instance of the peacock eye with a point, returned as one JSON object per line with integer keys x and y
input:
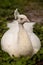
{"x": 21, "y": 18}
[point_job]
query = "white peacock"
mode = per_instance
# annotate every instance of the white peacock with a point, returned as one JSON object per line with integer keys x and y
{"x": 20, "y": 40}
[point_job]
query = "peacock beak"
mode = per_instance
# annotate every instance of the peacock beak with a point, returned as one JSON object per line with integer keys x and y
{"x": 26, "y": 20}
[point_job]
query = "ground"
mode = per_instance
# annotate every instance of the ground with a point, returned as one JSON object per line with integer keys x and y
{"x": 33, "y": 9}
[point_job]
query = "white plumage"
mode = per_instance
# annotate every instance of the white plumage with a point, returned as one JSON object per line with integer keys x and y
{"x": 33, "y": 37}
{"x": 19, "y": 39}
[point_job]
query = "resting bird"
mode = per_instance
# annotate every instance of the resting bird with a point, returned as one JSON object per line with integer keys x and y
{"x": 20, "y": 40}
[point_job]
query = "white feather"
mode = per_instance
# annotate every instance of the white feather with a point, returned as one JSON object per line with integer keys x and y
{"x": 33, "y": 37}
{"x": 10, "y": 39}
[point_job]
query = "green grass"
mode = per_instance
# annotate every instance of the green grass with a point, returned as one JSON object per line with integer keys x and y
{"x": 7, "y": 8}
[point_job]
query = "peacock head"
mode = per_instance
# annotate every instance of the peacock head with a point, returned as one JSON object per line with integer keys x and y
{"x": 20, "y": 17}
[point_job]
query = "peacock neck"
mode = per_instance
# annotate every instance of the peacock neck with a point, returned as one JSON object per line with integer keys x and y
{"x": 21, "y": 25}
